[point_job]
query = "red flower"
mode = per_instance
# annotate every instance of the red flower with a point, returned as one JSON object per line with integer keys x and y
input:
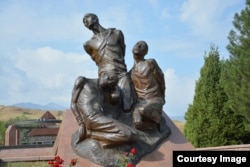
{"x": 73, "y": 162}
{"x": 129, "y": 165}
{"x": 133, "y": 151}
{"x": 58, "y": 159}
{"x": 50, "y": 162}
{"x": 56, "y": 165}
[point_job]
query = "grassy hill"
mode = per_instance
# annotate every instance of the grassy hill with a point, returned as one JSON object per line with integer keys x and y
{"x": 16, "y": 113}
{"x": 180, "y": 125}
{"x": 11, "y": 112}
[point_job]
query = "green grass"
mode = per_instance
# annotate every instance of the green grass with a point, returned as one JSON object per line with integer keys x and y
{"x": 25, "y": 164}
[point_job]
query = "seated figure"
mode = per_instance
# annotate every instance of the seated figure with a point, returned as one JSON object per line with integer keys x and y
{"x": 149, "y": 83}
{"x": 96, "y": 104}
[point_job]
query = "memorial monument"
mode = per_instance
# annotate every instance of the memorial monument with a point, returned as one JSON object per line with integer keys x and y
{"x": 120, "y": 110}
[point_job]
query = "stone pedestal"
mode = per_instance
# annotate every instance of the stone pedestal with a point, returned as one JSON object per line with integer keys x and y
{"x": 161, "y": 157}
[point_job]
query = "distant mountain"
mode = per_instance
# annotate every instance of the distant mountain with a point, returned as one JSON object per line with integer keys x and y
{"x": 50, "y": 106}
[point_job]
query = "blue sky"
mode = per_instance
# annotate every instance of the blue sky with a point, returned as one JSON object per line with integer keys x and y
{"x": 41, "y": 51}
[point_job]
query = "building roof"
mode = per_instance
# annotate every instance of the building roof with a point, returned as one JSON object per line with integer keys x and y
{"x": 48, "y": 115}
{"x": 43, "y": 132}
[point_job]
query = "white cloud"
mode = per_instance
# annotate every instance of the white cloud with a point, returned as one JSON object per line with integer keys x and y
{"x": 179, "y": 93}
{"x": 49, "y": 67}
{"x": 205, "y": 17}
{"x": 24, "y": 23}
{"x": 45, "y": 75}
{"x": 198, "y": 12}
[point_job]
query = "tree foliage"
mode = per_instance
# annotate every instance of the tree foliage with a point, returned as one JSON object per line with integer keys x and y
{"x": 8, "y": 122}
{"x": 238, "y": 71}
{"x": 2, "y": 132}
{"x": 220, "y": 112}
{"x": 16, "y": 119}
{"x": 208, "y": 121}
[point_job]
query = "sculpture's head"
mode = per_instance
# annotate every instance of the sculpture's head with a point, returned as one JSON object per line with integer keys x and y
{"x": 108, "y": 81}
{"x": 140, "y": 49}
{"x": 89, "y": 20}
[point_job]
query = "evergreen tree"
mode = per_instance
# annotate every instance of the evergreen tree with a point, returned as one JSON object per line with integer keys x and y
{"x": 238, "y": 73}
{"x": 2, "y": 133}
{"x": 208, "y": 121}
{"x": 235, "y": 125}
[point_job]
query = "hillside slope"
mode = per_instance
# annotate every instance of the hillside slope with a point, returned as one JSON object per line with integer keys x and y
{"x": 9, "y": 112}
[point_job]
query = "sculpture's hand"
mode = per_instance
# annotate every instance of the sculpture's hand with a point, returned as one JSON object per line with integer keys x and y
{"x": 137, "y": 119}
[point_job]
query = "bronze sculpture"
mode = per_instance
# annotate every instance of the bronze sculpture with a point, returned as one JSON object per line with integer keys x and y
{"x": 118, "y": 110}
{"x": 92, "y": 102}
{"x": 107, "y": 49}
{"x": 149, "y": 83}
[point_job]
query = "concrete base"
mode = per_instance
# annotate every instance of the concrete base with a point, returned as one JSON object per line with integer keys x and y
{"x": 161, "y": 157}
